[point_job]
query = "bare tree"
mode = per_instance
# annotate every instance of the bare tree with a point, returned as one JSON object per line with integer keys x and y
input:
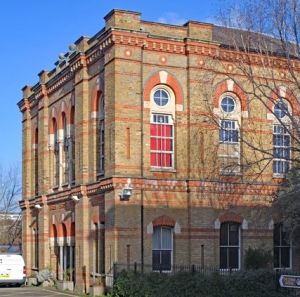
{"x": 10, "y": 193}
{"x": 266, "y": 37}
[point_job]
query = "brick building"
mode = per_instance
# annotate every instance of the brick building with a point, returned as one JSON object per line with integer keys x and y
{"x": 132, "y": 153}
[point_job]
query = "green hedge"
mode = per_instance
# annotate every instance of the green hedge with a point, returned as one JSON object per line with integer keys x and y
{"x": 256, "y": 283}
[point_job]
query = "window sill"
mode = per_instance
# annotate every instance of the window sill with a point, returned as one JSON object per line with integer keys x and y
{"x": 99, "y": 175}
{"x": 230, "y": 173}
{"x": 279, "y": 175}
{"x": 159, "y": 169}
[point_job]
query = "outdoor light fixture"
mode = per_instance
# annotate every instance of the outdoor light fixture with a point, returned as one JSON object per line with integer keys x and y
{"x": 38, "y": 206}
{"x": 126, "y": 191}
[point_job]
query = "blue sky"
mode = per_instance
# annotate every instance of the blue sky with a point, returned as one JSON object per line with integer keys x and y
{"x": 34, "y": 32}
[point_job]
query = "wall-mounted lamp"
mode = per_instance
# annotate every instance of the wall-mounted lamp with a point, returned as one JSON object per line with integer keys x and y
{"x": 75, "y": 198}
{"x": 38, "y": 206}
{"x": 126, "y": 191}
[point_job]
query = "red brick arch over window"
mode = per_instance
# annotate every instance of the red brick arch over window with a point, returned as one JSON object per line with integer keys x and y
{"x": 163, "y": 77}
{"x": 230, "y": 86}
{"x": 163, "y": 221}
{"x": 286, "y": 94}
{"x": 231, "y": 217}
{"x": 96, "y": 94}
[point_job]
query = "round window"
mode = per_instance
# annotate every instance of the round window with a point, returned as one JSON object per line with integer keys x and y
{"x": 280, "y": 109}
{"x": 161, "y": 97}
{"x": 227, "y": 104}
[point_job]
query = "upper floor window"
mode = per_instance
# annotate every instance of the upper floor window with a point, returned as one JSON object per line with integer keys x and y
{"x": 230, "y": 246}
{"x": 280, "y": 109}
{"x": 229, "y": 132}
{"x": 162, "y": 248}
{"x": 281, "y": 149}
{"x": 282, "y": 248}
{"x": 162, "y": 141}
{"x": 101, "y": 137}
{"x": 161, "y": 97}
{"x": 228, "y": 104}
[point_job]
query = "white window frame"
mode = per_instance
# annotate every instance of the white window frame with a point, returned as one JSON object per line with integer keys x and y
{"x": 170, "y": 123}
{"x": 235, "y": 128}
{"x": 283, "y": 246}
{"x": 231, "y": 246}
{"x": 101, "y": 137}
{"x": 161, "y": 249}
{"x": 283, "y": 160}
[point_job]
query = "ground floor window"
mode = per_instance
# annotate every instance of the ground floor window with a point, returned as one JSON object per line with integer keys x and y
{"x": 162, "y": 248}
{"x": 282, "y": 248}
{"x": 230, "y": 246}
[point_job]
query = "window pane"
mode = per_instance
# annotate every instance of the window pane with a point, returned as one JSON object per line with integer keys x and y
{"x": 223, "y": 258}
{"x": 276, "y": 234}
{"x": 233, "y": 258}
{"x": 233, "y": 234}
{"x": 166, "y": 260}
{"x": 285, "y": 257}
{"x": 155, "y": 260}
{"x": 224, "y": 234}
{"x": 166, "y": 239}
{"x": 276, "y": 257}
{"x": 156, "y": 239}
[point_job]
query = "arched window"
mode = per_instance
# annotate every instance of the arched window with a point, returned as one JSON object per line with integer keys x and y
{"x": 162, "y": 127}
{"x": 56, "y": 153}
{"x": 72, "y": 146}
{"x": 101, "y": 137}
{"x": 162, "y": 248}
{"x": 282, "y": 248}
{"x": 230, "y": 245}
{"x": 65, "y": 151}
{"x": 229, "y": 134}
{"x": 281, "y": 138}
{"x": 36, "y": 162}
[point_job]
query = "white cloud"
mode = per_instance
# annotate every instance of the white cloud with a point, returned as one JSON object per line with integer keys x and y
{"x": 171, "y": 18}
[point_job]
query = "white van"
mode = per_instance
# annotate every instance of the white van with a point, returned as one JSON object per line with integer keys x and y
{"x": 12, "y": 269}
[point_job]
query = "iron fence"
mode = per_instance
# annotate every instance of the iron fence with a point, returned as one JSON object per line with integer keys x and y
{"x": 200, "y": 270}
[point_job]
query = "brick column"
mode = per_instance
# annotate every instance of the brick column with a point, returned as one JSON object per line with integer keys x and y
{"x": 43, "y": 228}
{"x": 82, "y": 234}
{"x": 27, "y": 237}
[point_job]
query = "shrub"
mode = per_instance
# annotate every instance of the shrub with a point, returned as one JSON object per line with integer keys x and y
{"x": 259, "y": 283}
{"x": 258, "y": 258}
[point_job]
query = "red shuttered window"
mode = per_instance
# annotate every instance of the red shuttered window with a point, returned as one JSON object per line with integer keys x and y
{"x": 162, "y": 141}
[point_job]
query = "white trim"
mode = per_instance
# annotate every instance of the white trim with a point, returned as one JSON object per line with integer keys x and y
{"x": 163, "y": 76}
{"x": 282, "y": 91}
{"x": 179, "y": 107}
{"x": 150, "y": 228}
{"x": 230, "y": 84}
{"x": 94, "y": 114}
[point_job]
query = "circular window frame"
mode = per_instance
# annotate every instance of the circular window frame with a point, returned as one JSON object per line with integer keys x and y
{"x": 161, "y": 89}
{"x": 171, "y": 100}
{"x": 234, "y": 101}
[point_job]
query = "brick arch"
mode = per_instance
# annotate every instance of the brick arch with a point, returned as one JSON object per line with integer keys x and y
{"x": 164, "y": 221}
{"x": 231, "y": 217}
{"x": 165, "y": 78}
{"x": 72, "y": 115}
{"x": 288, "y": 95}
{"x": 230, "y": 86}
{"x": 35, "y": 135}
{"x": 96, "y": 94}
{"x": 53, "y": 231}
{"x": 52, "y": 123}
{"x": 72, "y": 229}
{"x": 64, "y": 111}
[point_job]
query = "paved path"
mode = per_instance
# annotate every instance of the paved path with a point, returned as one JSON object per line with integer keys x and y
{"x": 31, "y": 292}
